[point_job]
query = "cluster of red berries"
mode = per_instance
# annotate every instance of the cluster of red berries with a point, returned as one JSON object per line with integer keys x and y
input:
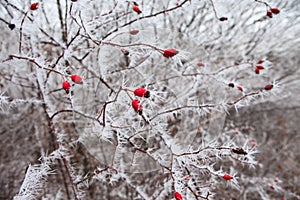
{"x": 66, "y": 84}
{"x": 178, "y": 196}
{"x": 135, "y": 103}
{"x": 259, "y": 66}
{"x": 272, "y": 11}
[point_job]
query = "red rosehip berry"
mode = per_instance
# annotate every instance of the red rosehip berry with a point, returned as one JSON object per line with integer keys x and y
{"x": 34, "y": 6}
{"x": 134, "y": 32}
{"x": 257, "y": 71}
{"x": 177, "y": 196}
{"x": 200, "y": 64}
{"x": 222, "y": 19}
{"x": 141, "y": 92}
{"x": 269, "y": 87}
{"x": 227, "y": 177}
{"x": 136, "y": 9}
{"x": 137, "y": 106}
{"x": 260, "y": 62}
{"x": 260, "y": 67}
{"x": 272, "y": 187}
{"x": 76, "y": 79}
{"x": 168, "y": 53}
{"x": 240, "y": 88}
{"x": 66, "y": 86}
{"x": 269, "y": 14}
{"x": 275, "y": 10}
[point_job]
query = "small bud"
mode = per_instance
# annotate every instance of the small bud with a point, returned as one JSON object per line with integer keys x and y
{"x": 11, "y": 26}
{"x": 76, "y": 79}
{"x": 269, "y": 87}
{"x": 222, "y": 19}
{"x": 177, "y": 196}
{"x": 272, "y": 187}
{"x": 231, "y": 85}
{"x": 275, "y": 10}
{"x": 227, "y": 177}
{"x": 68, "y": 71}
{"x": 168, "y": 53}
{"x": 34, "y": 6}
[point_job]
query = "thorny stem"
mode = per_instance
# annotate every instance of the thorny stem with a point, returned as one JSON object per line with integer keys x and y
{"x": 182, "y": 107}
{"x": 102, "y": 111}
{"x": 244, "y": 97}
{"x": 214, "y": 8}
{"x": 21, "y": 33}
{"x": 196, "y": 195}
{"x": 198, "y": 151}
{"x": 67, "y": 167}
{"x": 208, "y": 105}
{"x": 147, "y": 16}
{"x": 263, "y": 2}
{"x": 31, "y": 20}
{"x": 63, "y": 26}
{"x": 53, "y": 138}
{"x": 32, "y": 60}
{"x": 131, "y": 45}
{"x": 77, "y": 112}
